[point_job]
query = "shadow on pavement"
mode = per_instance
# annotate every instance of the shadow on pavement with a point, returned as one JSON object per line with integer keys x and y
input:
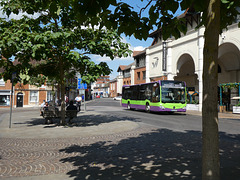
{"x": 162, "y": 154}
{"x": 80, "y": 121}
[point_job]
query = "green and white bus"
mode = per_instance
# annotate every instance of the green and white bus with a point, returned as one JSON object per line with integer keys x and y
{"x": 170, "y": 96}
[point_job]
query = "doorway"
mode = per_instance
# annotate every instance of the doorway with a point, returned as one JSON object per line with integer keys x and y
{"x": 19, "y": 99}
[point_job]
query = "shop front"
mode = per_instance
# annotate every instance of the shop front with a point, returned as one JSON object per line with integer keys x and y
{"x": 4, "y": 98}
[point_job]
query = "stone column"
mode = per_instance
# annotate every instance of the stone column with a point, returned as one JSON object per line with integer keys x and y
{"x": 199, "y": 69}
{"x": 170, "y": 75}
{"x": 147, "y": 66}
{"x": 119, "y": 84}
{"x": 132, "y": 75}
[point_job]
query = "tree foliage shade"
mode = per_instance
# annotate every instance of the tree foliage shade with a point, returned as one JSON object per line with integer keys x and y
{"x": 56, "y": 43}
{"x": 58, "y": 20}
{"x": 57, "y": 32}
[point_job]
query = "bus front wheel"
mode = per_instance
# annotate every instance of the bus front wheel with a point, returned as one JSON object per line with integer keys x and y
{"x": 147, "y": 108}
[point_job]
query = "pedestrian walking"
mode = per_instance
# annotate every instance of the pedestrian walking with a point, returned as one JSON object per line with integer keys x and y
{"x": 78, "y": 100}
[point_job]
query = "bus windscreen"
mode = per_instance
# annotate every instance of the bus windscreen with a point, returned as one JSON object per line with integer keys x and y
{"x": 173, "y": 92}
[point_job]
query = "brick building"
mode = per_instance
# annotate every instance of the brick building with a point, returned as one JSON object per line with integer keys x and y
{"x": 101, "y": 86}
{"x": 140, "y": 67}
{"x": 23, "y": 95}
{"x": 113, "y": 88}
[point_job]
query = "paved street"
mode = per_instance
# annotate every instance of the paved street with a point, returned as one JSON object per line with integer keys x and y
{"x": 109, "y": 142}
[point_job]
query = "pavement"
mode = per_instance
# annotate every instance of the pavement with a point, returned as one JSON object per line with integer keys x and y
{"x": 95, "y": 146}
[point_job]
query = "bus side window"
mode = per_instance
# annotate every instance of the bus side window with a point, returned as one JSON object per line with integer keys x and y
{"x": 155, "y": 94}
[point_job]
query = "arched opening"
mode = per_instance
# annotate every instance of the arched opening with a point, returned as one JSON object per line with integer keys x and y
{"x": 229, "y": 62}
{"x": 186, "y": 72}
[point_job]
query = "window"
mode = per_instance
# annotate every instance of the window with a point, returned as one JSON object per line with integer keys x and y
{"x": 127, "y": 73}
{"x": 135, "y": 90}
{"x": 33, "y": 96}
{"x": 142, "y": 92}
{"x": 155, "y": 93}
{"x": 138, "y": 75}
{"x": 49, "y": 96}
{"x": 144, "y": 75}
{"x": 137, "y": 62}
{"x": 4, "y": 100}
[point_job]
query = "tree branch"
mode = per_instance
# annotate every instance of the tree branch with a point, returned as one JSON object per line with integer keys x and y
{"x": 143, "y": 9}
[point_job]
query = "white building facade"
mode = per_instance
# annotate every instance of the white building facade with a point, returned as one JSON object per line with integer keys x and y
{"x": 183, "y": 58}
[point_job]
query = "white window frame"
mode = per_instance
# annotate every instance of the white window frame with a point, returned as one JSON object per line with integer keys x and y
{"x": 36, "y": 95}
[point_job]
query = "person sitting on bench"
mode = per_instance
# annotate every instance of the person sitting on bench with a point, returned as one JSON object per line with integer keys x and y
{"x": 71, "y": 107}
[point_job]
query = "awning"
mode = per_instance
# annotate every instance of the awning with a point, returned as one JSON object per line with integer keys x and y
{"x": 235, "y": 98}
{"x": 2, "y": 92}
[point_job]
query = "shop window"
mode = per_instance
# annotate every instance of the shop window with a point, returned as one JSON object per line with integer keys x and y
{"x": 4, "y": 100}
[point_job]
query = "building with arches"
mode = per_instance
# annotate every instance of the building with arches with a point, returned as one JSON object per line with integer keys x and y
{"x": 182, "y": 59}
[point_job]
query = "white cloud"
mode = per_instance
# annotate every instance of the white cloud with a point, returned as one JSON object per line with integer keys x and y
{"x": 98, "y": 58}
{"x": 18, "y": 16}
{"x": 138, "y": 48}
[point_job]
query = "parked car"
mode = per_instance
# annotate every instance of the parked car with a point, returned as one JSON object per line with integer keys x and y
{"x": 97, "y": 96}
{"x": 117, "y": 98}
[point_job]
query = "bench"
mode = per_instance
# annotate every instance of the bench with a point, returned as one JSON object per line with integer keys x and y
{"x": 50, "y": 114}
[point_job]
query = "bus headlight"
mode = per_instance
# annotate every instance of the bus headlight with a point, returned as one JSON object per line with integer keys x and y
{"x": 185, "y": 107}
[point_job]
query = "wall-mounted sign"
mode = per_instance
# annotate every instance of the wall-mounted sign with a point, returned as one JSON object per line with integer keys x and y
{"x": 155, "y": 62}
{"x": 81, "y": 85}
{"x": 164, "y": 59}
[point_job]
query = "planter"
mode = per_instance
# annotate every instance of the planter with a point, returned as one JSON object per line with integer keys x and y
{"x": 222, "y": 109}
{"x": 236, "y": 109}
{"x": 193, "y": 107}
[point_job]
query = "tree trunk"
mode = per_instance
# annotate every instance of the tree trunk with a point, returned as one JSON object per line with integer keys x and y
{"x": 62, "y": 86}
{"x": 210, "y": 133}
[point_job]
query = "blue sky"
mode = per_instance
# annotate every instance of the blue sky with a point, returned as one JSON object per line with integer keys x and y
{"x": 135, "y": 44}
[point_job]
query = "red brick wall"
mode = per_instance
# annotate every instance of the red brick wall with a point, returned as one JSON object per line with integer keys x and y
{"x": 20, "y": 88}
{"x": 127, "y": 81}
{"x": 141, "y": 80}
{"x": 159, "y": 78}
{"x": 42, "y": 95}
{"x": 8, "y": 86}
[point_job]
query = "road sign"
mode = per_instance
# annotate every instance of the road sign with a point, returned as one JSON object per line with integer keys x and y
{"x": 81, "y": 85}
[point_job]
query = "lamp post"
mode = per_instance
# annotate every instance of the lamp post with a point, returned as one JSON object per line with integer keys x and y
{"x": 10, "y": 120}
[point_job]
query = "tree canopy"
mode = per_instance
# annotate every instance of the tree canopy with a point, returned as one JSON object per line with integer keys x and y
{"x": 55, "y": 43}
{"x": 63, "y": 16}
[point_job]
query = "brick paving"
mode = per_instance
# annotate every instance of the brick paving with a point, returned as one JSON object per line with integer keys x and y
{"x": 142, "y": 152}
{"x": 34, "y": 157}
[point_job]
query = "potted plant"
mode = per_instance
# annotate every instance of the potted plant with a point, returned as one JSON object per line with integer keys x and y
{"x": 193, "y": 106}
{"x": 236, "y": 108}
